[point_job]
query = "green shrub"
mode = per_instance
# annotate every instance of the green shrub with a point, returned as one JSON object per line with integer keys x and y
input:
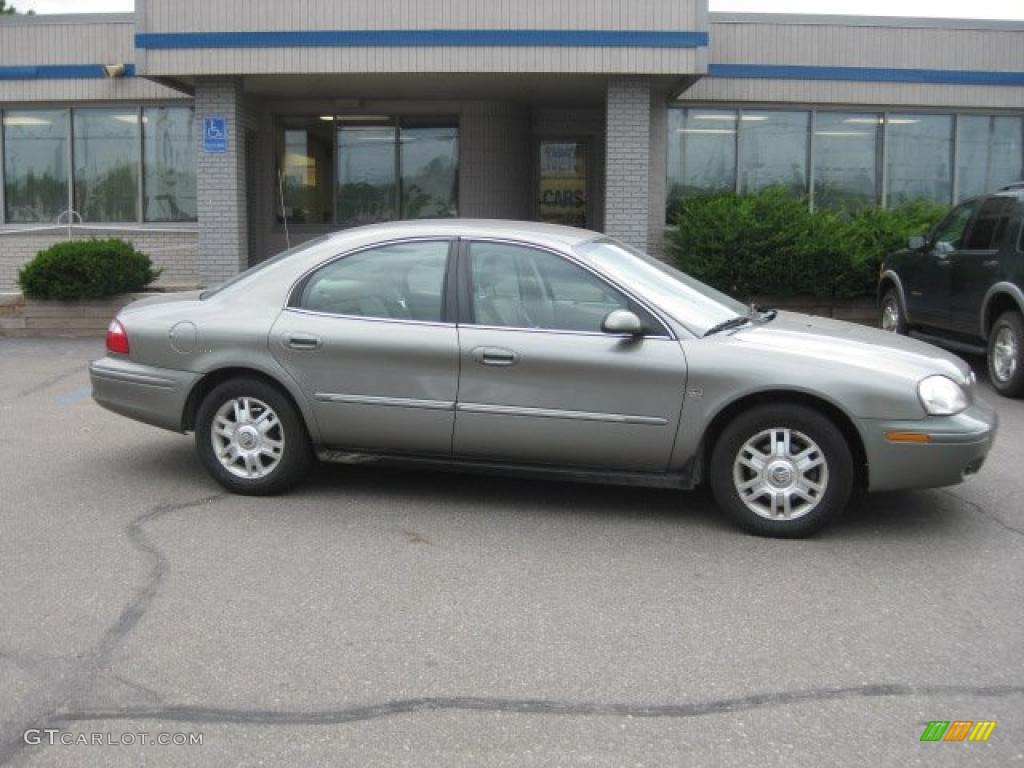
{"x": 86, "y": 269}
{"x": 770, "y": 243}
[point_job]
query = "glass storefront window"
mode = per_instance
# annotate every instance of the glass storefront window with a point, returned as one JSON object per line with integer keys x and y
{"x": 991, "y": 153}
{"x": 846, "y": 159}
{"x": 920, "y": 158}
{"x": 429, "y": 163}
{"x": 169, "y": 168}
{"x": 702, "y": 152}
{"x": 106, "y": 164}
{"x": 367, "y": 175}
{"x": 773, "y": 150}
{"x": 35, "y": 165}
{"x": 305, "y": 152}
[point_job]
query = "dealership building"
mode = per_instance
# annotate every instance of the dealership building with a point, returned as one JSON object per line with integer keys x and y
{"x": 213, "y": 134}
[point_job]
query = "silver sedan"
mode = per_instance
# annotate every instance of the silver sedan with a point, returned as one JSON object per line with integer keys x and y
{"x": 543, "y": 351}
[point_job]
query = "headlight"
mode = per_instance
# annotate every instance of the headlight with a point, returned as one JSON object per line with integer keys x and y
{"x": 941, "y": 396}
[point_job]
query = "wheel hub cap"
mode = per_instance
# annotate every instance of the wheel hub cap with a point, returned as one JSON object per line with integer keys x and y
{"x": 247, "y": 437}
{"x": 890, "y": 317}
{"x": 781, "y": 474}
{"x": 1004, "y": 355}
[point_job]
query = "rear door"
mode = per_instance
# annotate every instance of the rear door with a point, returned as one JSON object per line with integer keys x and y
{"x": 928, "y": 287}
{"x": 976, "y": 266}
{"x": 542, "y": 384}
{"x": 372, "y": 342}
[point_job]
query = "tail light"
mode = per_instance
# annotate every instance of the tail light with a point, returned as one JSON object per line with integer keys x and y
{"x": 117, "y": 338}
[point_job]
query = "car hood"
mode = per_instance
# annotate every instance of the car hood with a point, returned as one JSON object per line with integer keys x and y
{"x": 849, "y": 345}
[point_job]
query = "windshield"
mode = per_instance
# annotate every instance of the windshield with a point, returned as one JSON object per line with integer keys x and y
{"x": 214, "y": 290}
{"x": 697, "y": 306}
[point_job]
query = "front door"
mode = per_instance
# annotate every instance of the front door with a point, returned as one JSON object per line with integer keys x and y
{"x": 541, "y": 383}
{"x": 929, "y": 281}
{"x": 976, "y": 266}
{"x": 369, "y": 341}
{"x": 563, "y": 194}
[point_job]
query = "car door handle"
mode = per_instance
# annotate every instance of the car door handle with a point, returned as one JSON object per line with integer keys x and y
{"x": 495, "y": 356}
{"x": 991, "y": 264}
{"x": 303, "y": 342}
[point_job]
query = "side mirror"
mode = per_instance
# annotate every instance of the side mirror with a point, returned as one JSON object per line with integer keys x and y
{"x": 623, "y": 322}
{"x": 917, "y": 243}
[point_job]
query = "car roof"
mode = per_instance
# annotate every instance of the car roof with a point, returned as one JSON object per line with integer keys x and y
{"x": 530, "y": 231}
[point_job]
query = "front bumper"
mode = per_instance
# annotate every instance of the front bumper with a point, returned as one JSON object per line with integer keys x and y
{"x": 956, "y": 449}
{"x": 151, "y": 395}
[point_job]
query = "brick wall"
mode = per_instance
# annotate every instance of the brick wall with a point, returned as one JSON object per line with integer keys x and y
{"x": 222, "y": 190}
{"x": 172, "y": 251}
{"x": 628, "y": 164}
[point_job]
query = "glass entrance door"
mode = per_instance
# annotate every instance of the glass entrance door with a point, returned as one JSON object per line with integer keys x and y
{"x": 563, "y": 182}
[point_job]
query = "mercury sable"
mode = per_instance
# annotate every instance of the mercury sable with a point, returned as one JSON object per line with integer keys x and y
{"x": 544, "y": 351}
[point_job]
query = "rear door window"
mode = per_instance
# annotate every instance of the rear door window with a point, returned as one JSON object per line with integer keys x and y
{"x": 404, "y": 281}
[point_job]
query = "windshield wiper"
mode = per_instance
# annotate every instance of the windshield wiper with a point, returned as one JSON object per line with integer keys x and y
{"x": 734, "y": 322}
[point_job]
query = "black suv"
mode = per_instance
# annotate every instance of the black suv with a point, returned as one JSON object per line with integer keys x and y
{"x": 960, "y": 286}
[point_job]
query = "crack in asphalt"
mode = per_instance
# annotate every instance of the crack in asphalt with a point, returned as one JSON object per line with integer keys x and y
{"x": 79, "y": 681}
{"x": 214, "y": 715}
{"x": 47, "y": 383}
{"x": 56, "y": 706}
{"x": 984, "y": 512}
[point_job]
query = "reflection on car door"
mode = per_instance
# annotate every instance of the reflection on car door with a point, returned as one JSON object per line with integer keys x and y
{"x": 369, "y": 341}
{"x": 929, "y": 285}
{"x": 540, "y": 382}
{"x": 976, "y": 266}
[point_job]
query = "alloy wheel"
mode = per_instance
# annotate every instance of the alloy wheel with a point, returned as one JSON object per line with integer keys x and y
{"x": 1005, "y": 353}
{"x": 780, "y": 474}
{"x": 248, "y": 438}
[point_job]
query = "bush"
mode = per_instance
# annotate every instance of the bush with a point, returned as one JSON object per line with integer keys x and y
{"x": 770, "y": 243}
{"x": 86, "y": 269}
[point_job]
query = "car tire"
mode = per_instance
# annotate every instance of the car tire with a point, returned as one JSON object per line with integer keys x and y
{"x": 781, "y": 470}
{"x": 891, "y": 316}
{"x": 251, "y": 438}
{"x": 1006, "y": 354}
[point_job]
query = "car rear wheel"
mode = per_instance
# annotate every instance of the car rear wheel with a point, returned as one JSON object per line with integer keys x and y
{"x": 891, "y": 317}
{"x": 781, "y": 470}
{"x": 1006, "y": 354}
{"x": 251, "y": 439}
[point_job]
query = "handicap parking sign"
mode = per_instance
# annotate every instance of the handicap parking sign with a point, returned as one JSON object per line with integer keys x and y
{"x": 215, "y": 134}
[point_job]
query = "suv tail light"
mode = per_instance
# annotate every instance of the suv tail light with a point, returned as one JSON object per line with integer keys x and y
{"x": 117, "y": 338}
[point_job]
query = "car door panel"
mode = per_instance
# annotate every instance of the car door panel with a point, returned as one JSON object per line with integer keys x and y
{"x": 372, "y": 385}
{"x": 929, "y": 286}
{"x": 376, "y": 383}
{"x": 557, "y": 396}
{"x": 588, "y": 401}
{"x": 977, "y": 267}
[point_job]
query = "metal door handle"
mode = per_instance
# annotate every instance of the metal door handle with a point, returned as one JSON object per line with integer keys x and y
{"x": 495, "y": 356}
{"x": 991, "y": 264}
{"x": 303, "y": 342}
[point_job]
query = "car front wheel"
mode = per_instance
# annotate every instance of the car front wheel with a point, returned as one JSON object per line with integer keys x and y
{"x": 782, "y": 470}
{"x": 1006, "y": 354}
{"x": 891, "y": 317}
{"x": 251, "y": 439}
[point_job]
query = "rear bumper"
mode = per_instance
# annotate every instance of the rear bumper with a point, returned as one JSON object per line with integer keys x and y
{"x": 151, "y": 395}
{"x": 956, "y": 449}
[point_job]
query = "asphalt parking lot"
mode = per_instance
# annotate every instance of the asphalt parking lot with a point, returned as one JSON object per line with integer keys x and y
{"x": 409, "y": 618}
